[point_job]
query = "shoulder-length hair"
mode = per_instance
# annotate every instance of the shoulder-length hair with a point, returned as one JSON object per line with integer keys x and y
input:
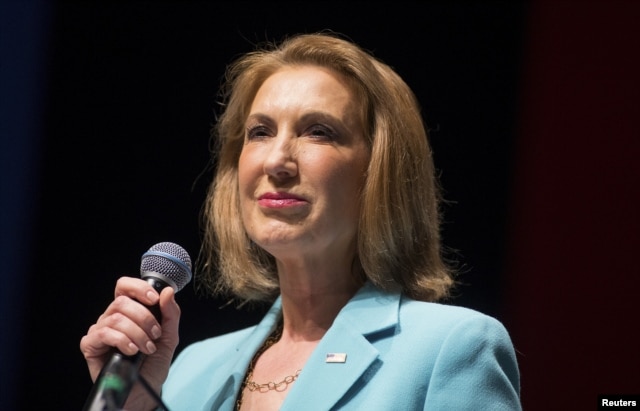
{"x": 399, "y": 228}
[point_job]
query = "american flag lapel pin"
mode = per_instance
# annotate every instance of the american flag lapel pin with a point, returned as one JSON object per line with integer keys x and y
{"x": 336, "y": 357}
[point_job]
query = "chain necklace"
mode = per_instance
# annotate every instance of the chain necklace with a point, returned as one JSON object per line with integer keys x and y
{"x": 269, "y": 386}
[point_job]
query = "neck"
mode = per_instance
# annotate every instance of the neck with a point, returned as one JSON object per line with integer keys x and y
{"x": 312, "y": 300}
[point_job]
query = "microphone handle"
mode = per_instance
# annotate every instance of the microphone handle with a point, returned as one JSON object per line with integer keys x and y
{"x": 114, "y": 383}
{"x": 120, "y": 373}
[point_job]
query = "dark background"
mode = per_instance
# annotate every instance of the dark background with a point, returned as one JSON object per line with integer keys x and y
{"x": 533, "y": 111}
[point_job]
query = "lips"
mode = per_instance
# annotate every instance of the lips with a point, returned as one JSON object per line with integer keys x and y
{"x": 280, "y": 200}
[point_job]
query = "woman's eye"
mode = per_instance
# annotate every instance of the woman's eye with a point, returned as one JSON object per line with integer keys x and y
{"x": 322, "y": 132}
{"x": 256, "y": 132}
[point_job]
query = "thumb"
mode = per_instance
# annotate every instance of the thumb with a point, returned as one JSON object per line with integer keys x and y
{"x": 156, "y": 366}
{"x": 170, "y": 316}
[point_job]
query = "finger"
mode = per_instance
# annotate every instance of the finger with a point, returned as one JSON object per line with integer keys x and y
{"x": 95, "y": 353}
{"x": 91, "y": 346}
{"x": 127, "y": 318}
{"x": 167, "y": 343}
{"x": 138, "y": 289}
{"x": 133, "y": 319}
{"x": 127, "y": 331}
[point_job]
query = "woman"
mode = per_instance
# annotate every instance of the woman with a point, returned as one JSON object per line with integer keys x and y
{"x": 325, "y": 201}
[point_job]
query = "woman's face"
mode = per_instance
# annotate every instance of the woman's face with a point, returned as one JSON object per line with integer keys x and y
{"x": 302, "y": 165}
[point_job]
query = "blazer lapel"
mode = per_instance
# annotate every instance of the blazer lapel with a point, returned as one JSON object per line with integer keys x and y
{"x": 225, "y": 398}
{"x": 322, "y": 384}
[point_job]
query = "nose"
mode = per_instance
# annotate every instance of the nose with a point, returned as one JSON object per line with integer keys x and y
{"x": 281, "y": 162}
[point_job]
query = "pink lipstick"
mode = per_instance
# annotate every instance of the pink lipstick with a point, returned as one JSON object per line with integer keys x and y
{"x": 280, "y": 200}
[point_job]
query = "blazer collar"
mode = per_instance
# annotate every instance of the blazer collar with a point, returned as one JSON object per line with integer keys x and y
{"x": 371, "y": 310}
{"x": 368, "y": 312}
{"x": 225, "y": 398}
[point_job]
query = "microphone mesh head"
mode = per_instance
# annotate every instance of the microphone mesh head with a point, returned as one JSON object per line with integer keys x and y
{"x": 170, "y": 261}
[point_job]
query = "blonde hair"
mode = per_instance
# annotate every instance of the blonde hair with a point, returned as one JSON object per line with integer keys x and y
{"x": 399, "y": 228}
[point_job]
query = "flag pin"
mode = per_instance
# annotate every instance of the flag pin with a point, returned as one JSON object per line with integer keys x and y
{"x": 337, "y": 357}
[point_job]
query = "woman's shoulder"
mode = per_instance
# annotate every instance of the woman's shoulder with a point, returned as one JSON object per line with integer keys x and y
{"x": 437, "y": 310}
{"x": 447, "y": 320}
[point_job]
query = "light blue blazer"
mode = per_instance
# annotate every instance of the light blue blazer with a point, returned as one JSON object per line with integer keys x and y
{"x": 401, "y": 355}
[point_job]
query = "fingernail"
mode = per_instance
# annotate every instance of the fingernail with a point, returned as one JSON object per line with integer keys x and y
{"x": 153, "y": 297}
{"x": 151, "y": 347}
{"x": 155, "y": 332}
{"x": 133, "y": 347}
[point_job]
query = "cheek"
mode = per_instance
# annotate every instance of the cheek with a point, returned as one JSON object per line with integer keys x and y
{"x": 355, "y": 170}
{"x": 348, "y": 184}
{"x": 246, "y": 171}
{"x": 357, "y": 178}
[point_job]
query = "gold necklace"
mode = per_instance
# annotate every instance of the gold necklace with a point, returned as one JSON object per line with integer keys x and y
{"x": 269, "y": 386}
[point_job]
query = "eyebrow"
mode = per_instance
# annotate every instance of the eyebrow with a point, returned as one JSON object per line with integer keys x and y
{"x": 306, "y": 117}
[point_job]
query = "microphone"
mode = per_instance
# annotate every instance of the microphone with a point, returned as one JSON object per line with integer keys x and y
{"x": 164, "y": 265}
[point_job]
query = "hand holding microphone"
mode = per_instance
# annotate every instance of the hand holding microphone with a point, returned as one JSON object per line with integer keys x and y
{"x": 140, "y": 338}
